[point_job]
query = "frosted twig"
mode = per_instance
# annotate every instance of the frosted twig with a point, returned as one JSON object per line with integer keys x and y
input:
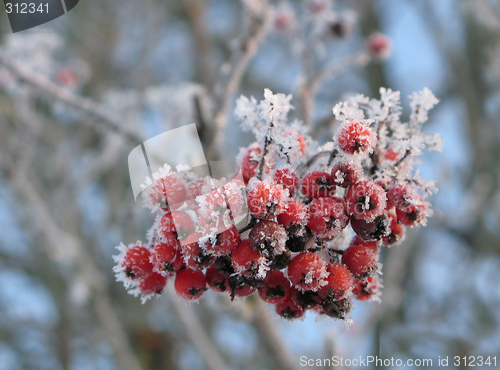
{"x": 312, "y": 83}
{"x": 84, "y": 105}
{"x": 195, "y": 332}
{"x": 248, "y": 49}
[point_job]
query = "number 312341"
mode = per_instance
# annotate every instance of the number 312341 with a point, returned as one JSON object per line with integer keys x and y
{"x": 25, "y": 8}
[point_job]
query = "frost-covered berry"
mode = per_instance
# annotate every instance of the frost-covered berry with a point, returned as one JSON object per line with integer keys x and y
{"x": 339, "y": 282}
{"x": 215, "y": 280}
{"x": 190, "y": 284}
{"x": 222, "y": 244}
{"x": 345, "y": 174}
{"x": 248, "y": 262}
{"x": 267, "y": 200}
{"x": 307, "y": 299}
{"x": 300, "y": 140}
{"x": 295, "y": 214}
{"x": 328, "y": 217}
{"x": 379, "y": 46}
{"x": 288, "y": 309}
{"x": 410, "y": 208}
{"x": 356, "y": 138}
{"x": 177, "y": 222}
{"x": 166, "y": 258}
{"x": 360, "y": 260}
{"x": 249, "y": 161}
{"x": 372, "y": 244}
{"x": 276, "y": 288}
{"x": 366, "y": 200}
{"x": 337, "y": 309}
{"x": 194, "y": 189}
{"x": 318, "y": 184}
{"x": 268, "y": 238}
{"x": 307, "y": 271}
{"x": 287, "y": 178}
{"x": 235, "y": 196}
{"x": 302, "y": 241}
{"x": 136, "y": 264}
{"x": 170, "y": 189}
{"x": 193, "y": 254}
{"x": 397, "y": 230}
{"x": 153, "y": 284}
{"x": 365, "y": 289}
{"x": 374, "y": 230}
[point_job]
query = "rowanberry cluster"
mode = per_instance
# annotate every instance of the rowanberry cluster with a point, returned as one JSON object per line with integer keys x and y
{"x": 302, "y": 225}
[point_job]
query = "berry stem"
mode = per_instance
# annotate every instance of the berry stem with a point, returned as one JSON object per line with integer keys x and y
{"x": 265, "y": 150}
{"x": 406, "y": 155}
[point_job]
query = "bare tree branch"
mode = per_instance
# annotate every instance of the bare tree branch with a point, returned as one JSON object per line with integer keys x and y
{"x": 84, "y": 105}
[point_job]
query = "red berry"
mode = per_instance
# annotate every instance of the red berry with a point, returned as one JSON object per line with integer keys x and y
{"x": 410, "y": 208}
{"x": 327, "y": 217}
{"x": 235, "y": 196}
{"x": 345, "y": 174}
{"x": 267, "y": 200}
{"x": 194, "y": 190}
{"x": 153, "y": 284}
{"x": 169, "y": 189}
{"x": 307, "y": 271}
{"x": 216, "y": 281}
{"x": 268, "y": 238}
{"x": 379, "y": 46}
{"x": 249, "y": 162}
{"x": 136, "y": 264}
{"x": 223, "y": 244}
{"x": 300, "y": 139}
{"x": 295, "y": 213}
{"x": 288, "y": 179}
{"x": 391, "y": 155}
{"x": 365, "y": 289}
{"x": 288, "y": 309}
{"x": 177, "y": 222}
{"x": 374, "y": 230}
{"x": 244, "y": 291}
{"x": 318, "y": 184}
{"x": 337, "y": 309}
{"x": 190, "y": 284}
{"x": 356, "y": 138}
{"x": 339, "y": 282}
{"x": 248, "y": 262}
{"x": 306, "y": 299}
{"x": 276, "y": 288}
{"x": 372, "y": 244}
{"x": 166, "y": 258}
{"x": 396, "y": 231}
{"x": 193, "y": 253}
{"x": 360, "y": 260}
{"x": 366, "y": 200}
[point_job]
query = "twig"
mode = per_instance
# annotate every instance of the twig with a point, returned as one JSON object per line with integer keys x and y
{"x": 83, "y": 105}
{"x": 195, "y": 332}
{"x": 270, "y": 335}
{"x": 249, "y": 46}
{"x": 313, "y": 82}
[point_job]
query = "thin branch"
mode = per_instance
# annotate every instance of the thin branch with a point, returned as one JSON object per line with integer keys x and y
{"x": 249, "y": 46}
{"x": 84, "y": 105}
{"x": 195, "y": 332}
{"x": 265, "y": 325}
{"x": 313, "y": 82}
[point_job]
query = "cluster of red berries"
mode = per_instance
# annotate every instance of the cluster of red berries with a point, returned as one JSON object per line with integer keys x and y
{"x": 304, "y": 234}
